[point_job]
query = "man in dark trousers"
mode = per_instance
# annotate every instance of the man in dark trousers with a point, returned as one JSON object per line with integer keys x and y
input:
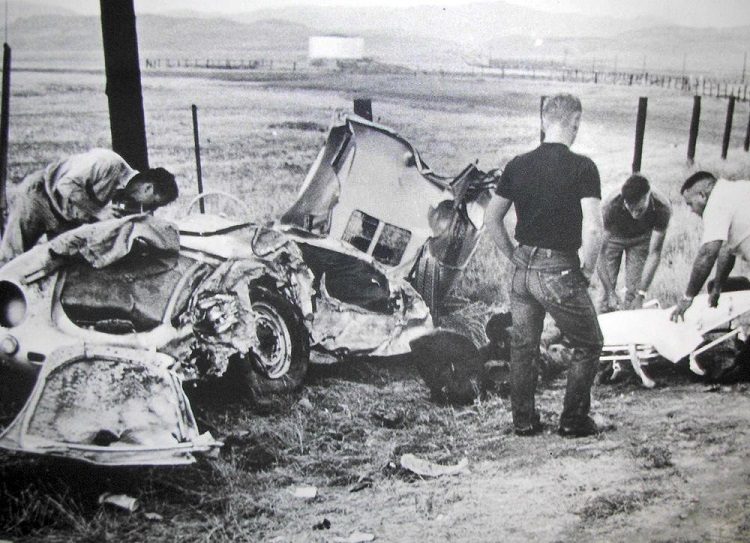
{"x": 557, "y": 197}
{"x": 77, "y": 190}
{"x": 635, "y": 224}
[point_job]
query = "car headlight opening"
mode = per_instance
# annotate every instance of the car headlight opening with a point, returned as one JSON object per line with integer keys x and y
{"x": 12, "y": 304}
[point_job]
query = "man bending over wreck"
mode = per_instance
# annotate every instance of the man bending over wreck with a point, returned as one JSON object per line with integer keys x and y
{"x": 723, "y": 206}
{"x": 76, "y": 191}
{"x": 556, "y": 194}
{"x": 635, "y": 223}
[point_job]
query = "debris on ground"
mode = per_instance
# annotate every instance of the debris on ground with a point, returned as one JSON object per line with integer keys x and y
{"x": 390, "y": 419}
{"x": 425, "y": 468}
{"x": 324, "y": 524}
{"x": 153, "y": 517}
{"x": 305, "y": 492}
{"x": 361, "y": 484}
{"x": 121, "y": 501}
{"x": 355, "y": 537}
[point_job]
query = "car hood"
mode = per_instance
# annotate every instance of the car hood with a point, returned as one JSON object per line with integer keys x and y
{"x": 108, "y": 406}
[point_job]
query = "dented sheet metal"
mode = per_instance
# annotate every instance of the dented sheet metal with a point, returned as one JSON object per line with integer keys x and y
{"x": 341, "y": 328}
{"x": 108, "y": 406}
{"x": 221, "y": 315}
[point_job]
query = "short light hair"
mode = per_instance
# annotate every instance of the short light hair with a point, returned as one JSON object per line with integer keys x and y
{"x": 560, "y": 108}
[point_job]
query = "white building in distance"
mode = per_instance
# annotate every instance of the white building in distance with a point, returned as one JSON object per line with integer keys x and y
{"x": 336, "y": 47}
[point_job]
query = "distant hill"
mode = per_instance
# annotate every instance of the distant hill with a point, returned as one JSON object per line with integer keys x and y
{"x": 17, "y": 9}
{"x": 174, "y": 36}
{"x": 428, "y": 37}
{"x": 468, "y": 24}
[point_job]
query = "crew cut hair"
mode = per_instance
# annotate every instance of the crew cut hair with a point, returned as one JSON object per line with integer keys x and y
{"x": 163, "y": 181}
{"x": 561, "y": 107}
{"x": 695, "y": 178}
{"x": 634, "y": 188}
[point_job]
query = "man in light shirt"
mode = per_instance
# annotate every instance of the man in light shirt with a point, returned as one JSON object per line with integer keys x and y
{"x": 78, "y": 190}
{"x": 724, "y": 206}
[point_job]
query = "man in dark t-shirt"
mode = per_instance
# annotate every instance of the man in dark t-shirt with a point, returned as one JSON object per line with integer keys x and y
{"x": 635, "y": 223}
{"x": 556, "y": 194}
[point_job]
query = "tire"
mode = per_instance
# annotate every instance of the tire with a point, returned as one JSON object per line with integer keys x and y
{"x": 426, "y": 280}
{"x": 281, "y": 365}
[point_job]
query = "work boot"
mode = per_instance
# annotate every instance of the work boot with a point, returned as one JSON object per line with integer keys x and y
{"x": 536, "y": 427}
{"x": 583, "y": 428}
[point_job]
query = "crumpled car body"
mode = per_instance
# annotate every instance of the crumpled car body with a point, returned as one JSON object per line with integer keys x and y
{"x": 113, "y": 332}
{"x": 370, "y": 189}
{"x": 112, "y": 317}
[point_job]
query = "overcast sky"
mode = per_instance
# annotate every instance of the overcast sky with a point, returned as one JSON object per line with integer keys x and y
{"x": 685, "y": 12}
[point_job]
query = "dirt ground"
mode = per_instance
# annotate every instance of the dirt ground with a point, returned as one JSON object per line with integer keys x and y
{"x": 674, "y": 470}
{"x": 672, "y": 466}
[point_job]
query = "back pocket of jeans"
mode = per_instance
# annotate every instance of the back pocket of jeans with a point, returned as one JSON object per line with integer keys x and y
{"x": 564, "y": 286}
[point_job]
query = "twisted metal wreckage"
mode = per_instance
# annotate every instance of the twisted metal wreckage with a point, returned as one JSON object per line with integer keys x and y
{"x": 111, "y": 318}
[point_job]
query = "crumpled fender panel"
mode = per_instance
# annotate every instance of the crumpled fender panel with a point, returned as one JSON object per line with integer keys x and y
{"x": 221, "y": 314}
{"x": 341, "y": 328}
{"x": 108, "y": 406}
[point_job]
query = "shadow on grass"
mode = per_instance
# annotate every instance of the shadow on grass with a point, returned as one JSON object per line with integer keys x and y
{"x": 368, "y": 370}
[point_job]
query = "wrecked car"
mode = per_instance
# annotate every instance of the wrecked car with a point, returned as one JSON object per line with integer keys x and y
{"x": 111, "y": 318}
{"x": 370, "y": 189}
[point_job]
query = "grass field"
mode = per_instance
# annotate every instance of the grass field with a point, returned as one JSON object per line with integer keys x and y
{"x": 672, "y": 467}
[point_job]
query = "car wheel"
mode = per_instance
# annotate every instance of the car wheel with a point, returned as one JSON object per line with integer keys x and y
{"x": 426, "y": 280}
{"x": 279, "y": 365}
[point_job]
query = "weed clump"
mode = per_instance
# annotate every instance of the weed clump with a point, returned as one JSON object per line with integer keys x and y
{"x": 616, "y": 503}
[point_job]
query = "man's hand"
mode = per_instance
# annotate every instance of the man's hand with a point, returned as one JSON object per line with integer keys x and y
{"x": 636, "y": 302}
{"x": 108, "y": 212}
{"x": 679, "y": 312}
{"x": 713, "y": 296}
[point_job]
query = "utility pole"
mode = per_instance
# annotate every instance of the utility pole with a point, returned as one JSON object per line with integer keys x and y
{"x": 124, "y": 93}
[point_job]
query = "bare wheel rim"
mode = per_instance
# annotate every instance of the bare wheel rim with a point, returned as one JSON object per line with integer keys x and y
{"x": 274, "y": 341}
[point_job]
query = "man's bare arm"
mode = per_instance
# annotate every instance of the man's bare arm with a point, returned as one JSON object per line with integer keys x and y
{"x": 591, "y": 235}
{"x": 724, "y": 265}
{"x": 494, "y": 219}
{"x": 653, "y": 259}
{"x": 607, "y": 283}
{"x": 704, "y": 261}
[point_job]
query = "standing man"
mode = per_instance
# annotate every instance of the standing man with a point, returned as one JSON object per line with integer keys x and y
{"x": 557, "y": 196}
{"x": 76, "y": 191}
{"x": 724, "y": 206}
{"x": 635, "y": 223}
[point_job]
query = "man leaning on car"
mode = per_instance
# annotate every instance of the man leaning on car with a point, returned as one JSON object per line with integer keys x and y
{"x": 556, "y": 194}
{"x": 77, "y": 190}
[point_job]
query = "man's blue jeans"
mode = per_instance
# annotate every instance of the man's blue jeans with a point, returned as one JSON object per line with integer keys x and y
{"x": 549, "y": 281}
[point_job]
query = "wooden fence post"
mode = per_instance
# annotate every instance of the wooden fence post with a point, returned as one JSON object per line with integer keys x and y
{"x": 196, "y": 140}
{"x": 747, "y": 135}
{"x": 4, "y": 125}
{"x": 640, "y": 129}
{"x": 363, "y": 108}
{"x": 727, "y": 128}
{"x": 541, "y": 128}
{"x": 694, "y": 120}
